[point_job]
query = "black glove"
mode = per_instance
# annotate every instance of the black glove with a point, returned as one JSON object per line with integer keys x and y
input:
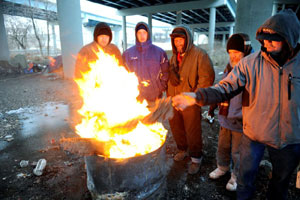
{"x": 174, "y": 77}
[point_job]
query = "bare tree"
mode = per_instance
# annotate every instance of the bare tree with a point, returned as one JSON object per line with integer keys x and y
{"x": 36, "y": 32}
{"x": 17, "y": 31}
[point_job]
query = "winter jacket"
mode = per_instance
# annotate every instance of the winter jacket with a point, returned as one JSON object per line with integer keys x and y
{"x": 271, "y": 93}
{"x": 88, "y": 52}
{"x": 233, "y": 120}
{"x": 196, "y": 69}
{"x": 150, "y": 64}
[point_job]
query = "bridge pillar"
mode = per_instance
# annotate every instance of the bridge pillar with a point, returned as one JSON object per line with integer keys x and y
{"x": 150, "y": 24}
{"x": 4, "y": 50}
{"x": 124, "y": 33}
{"x": 212, "y": 26}
{"x": 70, "y": 25}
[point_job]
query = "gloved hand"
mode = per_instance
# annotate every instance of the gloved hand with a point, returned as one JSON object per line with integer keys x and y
{"x": 174, "y": 78}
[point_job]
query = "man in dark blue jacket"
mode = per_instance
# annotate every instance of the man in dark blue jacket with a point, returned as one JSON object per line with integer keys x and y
{"x": 150, "y": 64}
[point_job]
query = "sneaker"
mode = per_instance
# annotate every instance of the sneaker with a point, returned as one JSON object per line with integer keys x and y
{"x": 180, "y": 155}
{"x": 194, "y": 168}
{"x": 231, "y": 185}
{"x": 217, "y": 173}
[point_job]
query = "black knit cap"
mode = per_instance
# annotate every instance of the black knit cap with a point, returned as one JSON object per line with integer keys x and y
{"x": 141, "y": 26}
{"x": 102, "y": 29}
{"x": 235, "y": 42}
{"x": 178, "y": 32}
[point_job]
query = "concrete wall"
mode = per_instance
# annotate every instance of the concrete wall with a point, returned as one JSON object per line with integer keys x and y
{"x": 250, "y": 15}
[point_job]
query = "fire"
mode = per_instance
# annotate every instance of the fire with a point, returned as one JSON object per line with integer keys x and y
{"x": 111, "y": 112}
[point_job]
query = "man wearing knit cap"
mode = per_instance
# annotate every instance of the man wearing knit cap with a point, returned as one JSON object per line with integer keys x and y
{"x": 270, "y": 82}
{"x": 190, "y": 69}
{"x": 102, "y": 39}
{"x": 150, "y": 64}
{"x": 230, "y": 116}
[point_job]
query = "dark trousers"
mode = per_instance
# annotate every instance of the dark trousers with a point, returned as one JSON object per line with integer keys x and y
{"x": 284, "y": 162}
{"x": 186, "y": 130}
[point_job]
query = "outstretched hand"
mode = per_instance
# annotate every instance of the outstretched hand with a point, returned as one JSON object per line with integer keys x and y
{"x": 184, "y": 100}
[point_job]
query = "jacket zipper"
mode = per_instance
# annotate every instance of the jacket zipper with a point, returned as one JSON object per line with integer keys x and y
{"x": 280, "y": 104}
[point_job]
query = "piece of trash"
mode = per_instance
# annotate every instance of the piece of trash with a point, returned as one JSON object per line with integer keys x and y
{"x": 24, "y": 163}
{"x": 40, "y": 166}
{"x": 67, "y": 163}
{"x": 9, "y": 138}
{"x": 52, "y": 141}
{"x": 22, "y": 175}
{"x": 207, "y": 117}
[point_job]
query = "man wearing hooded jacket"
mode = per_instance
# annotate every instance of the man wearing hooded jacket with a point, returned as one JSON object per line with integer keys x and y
{"x": 102, "y": 40}
{"x": 150, "y": 64}
{"x": 190, "y": 69}
{"x": 271, "y": 110}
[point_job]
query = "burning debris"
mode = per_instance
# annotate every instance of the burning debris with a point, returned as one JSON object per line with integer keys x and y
{"x": 85, "y": 146}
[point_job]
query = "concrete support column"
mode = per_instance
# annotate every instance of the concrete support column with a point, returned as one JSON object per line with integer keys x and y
{"x": 223, "y": 40}
{"x": 274, "y": 9}
{"x": 212, "y": 26}
{"x": 150, "y": 23}
{"x": 124, "y": 33}
{"x": 70, "y": 26}
{"x": 230, "y": 30}
{"x": 179, "y": 17}
{"x": 4, "y": 50}
{"x": 54, "y": 38}
{"x": 116, "y": 37}
{"x": 250, "y": 15}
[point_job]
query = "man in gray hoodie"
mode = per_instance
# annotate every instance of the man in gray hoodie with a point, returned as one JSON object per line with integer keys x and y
{"x": 270, "y": 82}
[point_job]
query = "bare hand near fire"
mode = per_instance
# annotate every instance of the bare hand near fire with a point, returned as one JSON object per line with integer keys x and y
{"x": 184, "y": 100}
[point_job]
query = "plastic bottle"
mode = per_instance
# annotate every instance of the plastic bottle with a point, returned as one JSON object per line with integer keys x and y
{"x": 40, "y": 166}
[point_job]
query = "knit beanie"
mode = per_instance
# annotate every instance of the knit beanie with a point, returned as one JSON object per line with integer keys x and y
{"x": 240, "y": 42}
{"x": 178, "y": 32}
{"x": 235, "y": 42}
{"x": 141, "y": 26}
{"x": 102, "y": 29}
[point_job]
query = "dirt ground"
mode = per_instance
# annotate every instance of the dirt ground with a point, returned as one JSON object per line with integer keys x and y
{"x": 65, "y": 176}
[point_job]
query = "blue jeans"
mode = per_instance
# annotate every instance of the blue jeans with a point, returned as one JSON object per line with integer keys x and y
{"x": 284, "y": 162}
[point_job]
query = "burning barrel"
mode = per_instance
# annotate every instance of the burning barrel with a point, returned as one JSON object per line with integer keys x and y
{"x": 124, "y": 143}
{"x": 138, "y": 177}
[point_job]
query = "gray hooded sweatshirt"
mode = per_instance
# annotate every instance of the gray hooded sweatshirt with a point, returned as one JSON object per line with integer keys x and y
{"x": 271, "y": 97}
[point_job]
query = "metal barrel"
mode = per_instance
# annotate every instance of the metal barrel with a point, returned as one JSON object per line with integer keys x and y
{"x": 137, "y": 177}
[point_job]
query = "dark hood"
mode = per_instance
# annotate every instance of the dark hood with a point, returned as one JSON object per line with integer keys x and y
{"x": 286, "y": 24}
{"x": 100, "y": 28}
{"x": 189, "y": 38}
{"x": 146, "y": 25}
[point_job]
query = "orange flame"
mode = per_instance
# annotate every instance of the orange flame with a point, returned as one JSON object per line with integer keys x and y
{"x": 109, "y": 94}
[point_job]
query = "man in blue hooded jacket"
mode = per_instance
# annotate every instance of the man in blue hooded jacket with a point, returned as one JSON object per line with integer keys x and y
{"x": 150, "y": 64}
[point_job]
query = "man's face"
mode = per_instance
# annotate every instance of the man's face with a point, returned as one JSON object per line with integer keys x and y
{"x": 142, "y": 35}
{"x": 179, "y": 44}
{"x": 103, "y": 40}
{"x": 235, "y": 56}
{"x": 273, "y": 46}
